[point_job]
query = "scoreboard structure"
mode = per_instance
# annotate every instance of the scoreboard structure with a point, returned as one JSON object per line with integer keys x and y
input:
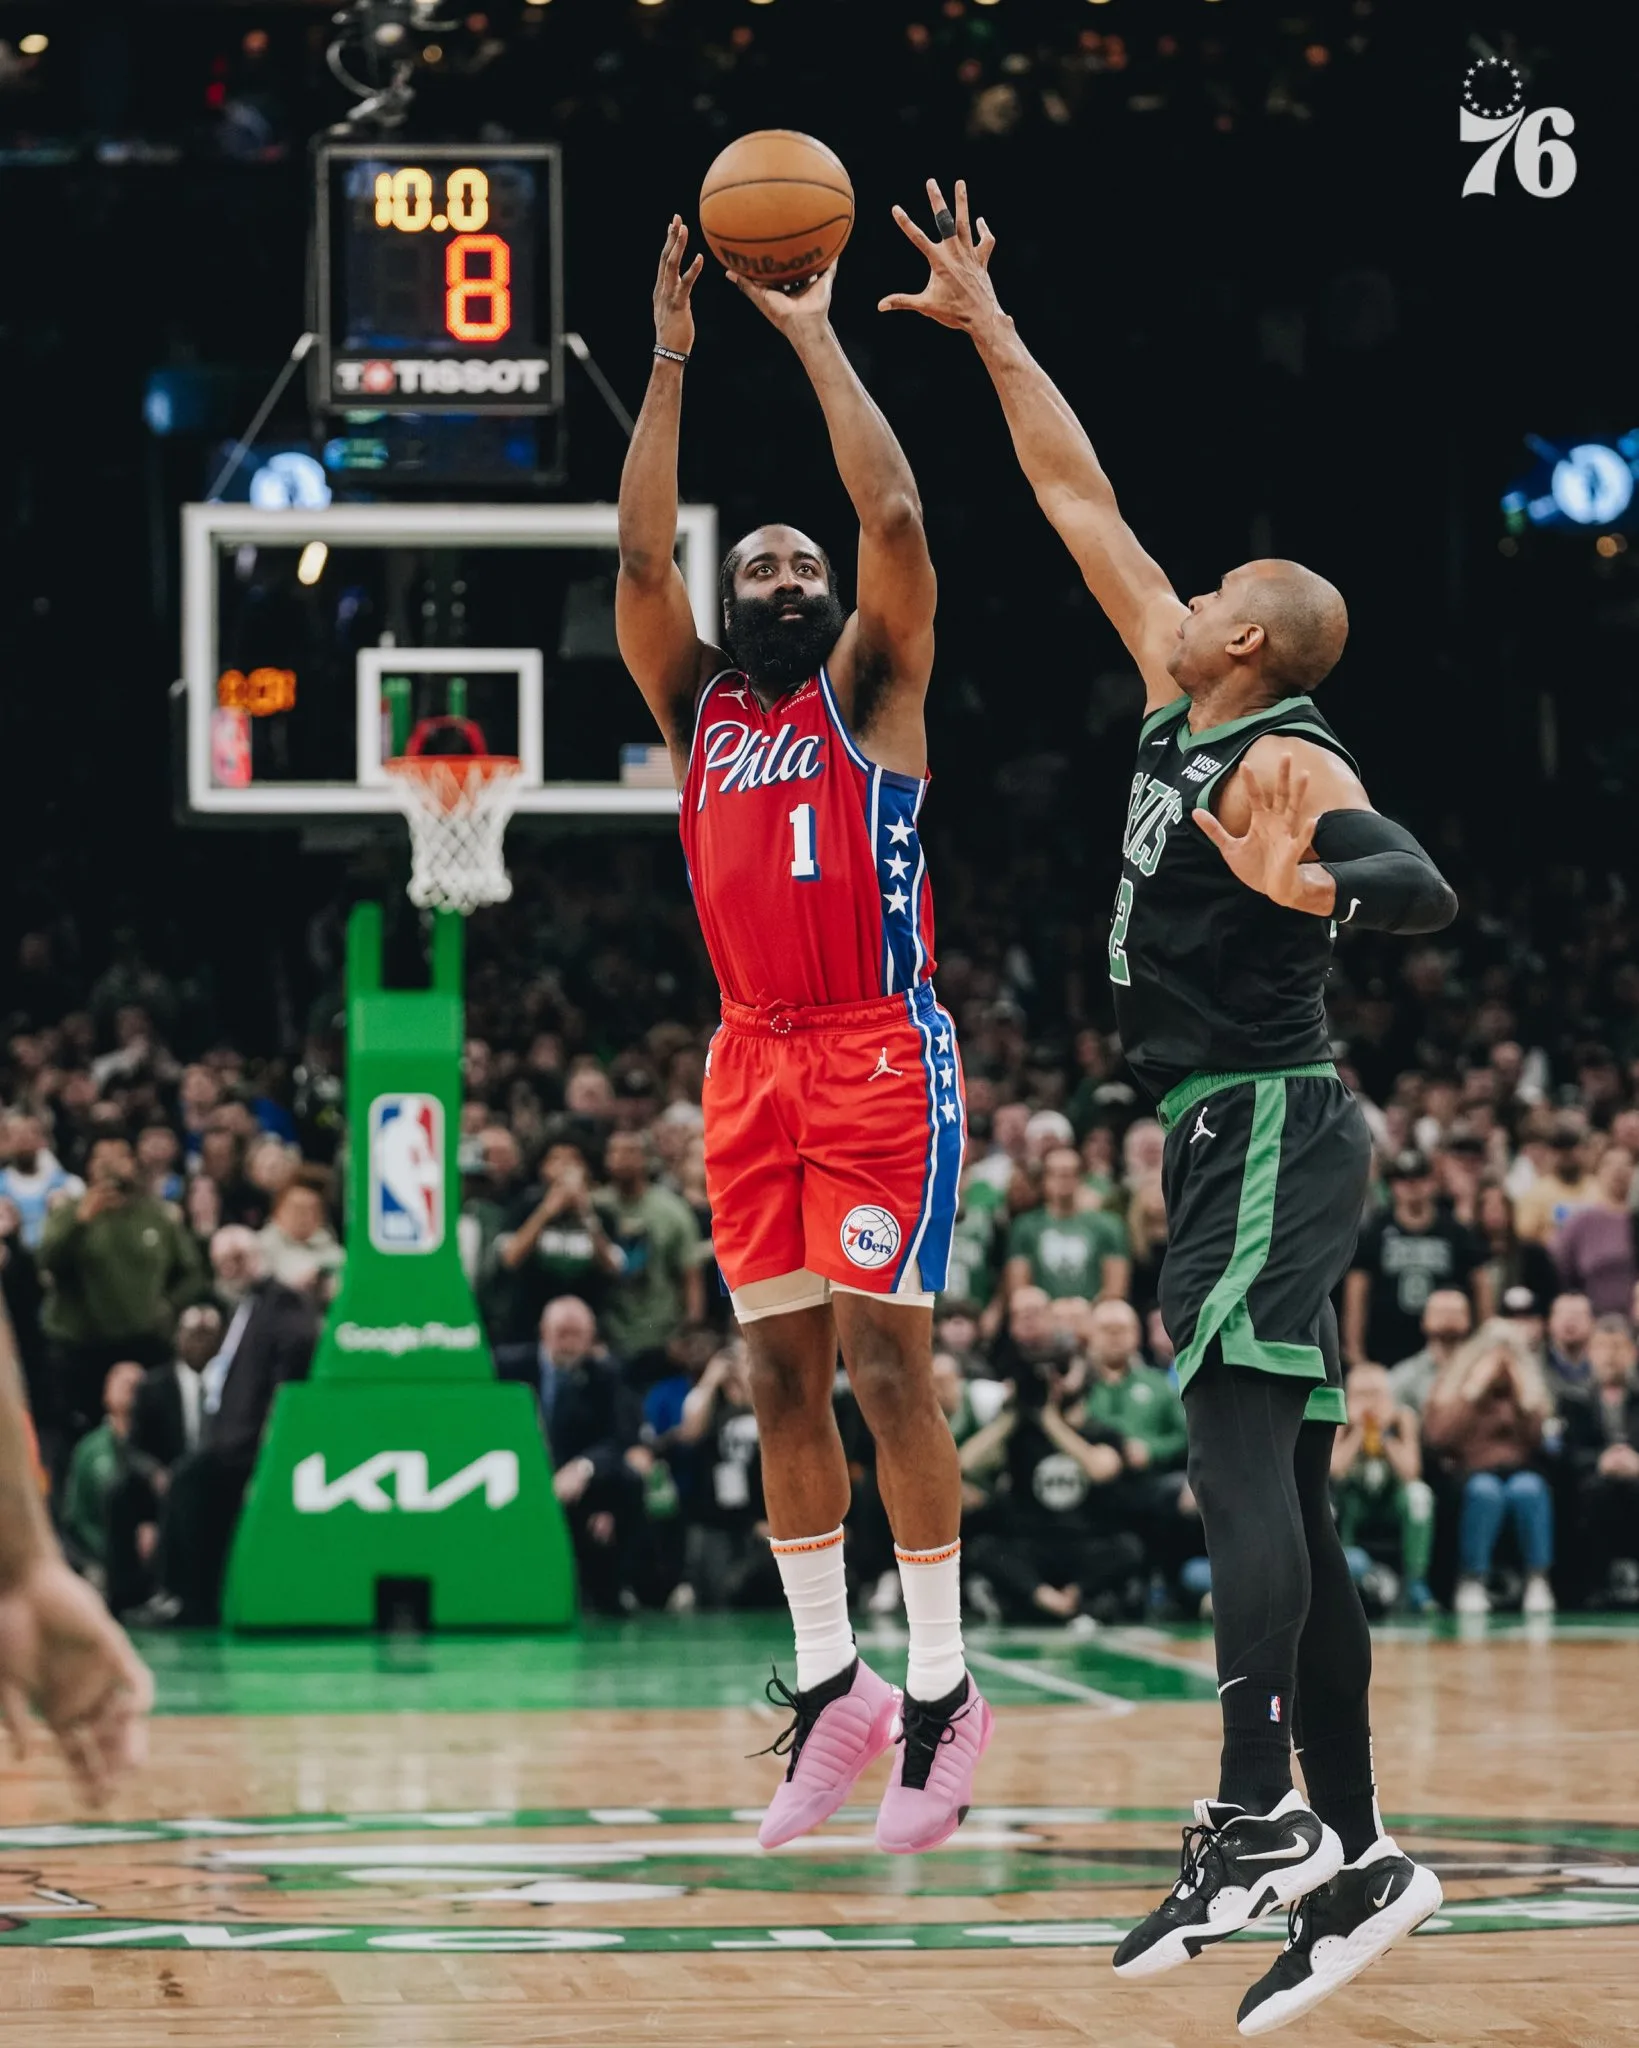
{"x": 438, "y": 278}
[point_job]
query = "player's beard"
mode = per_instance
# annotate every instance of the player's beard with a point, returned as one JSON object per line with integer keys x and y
{"x": 781, "y": 653}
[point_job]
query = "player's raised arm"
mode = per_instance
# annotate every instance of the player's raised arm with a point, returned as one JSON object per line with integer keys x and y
{"x": 654, "y": 621}
{"x": 1051, "y": 443}
{"x": 889, "y": 640}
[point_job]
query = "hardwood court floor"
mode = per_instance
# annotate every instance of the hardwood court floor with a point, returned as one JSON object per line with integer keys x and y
{"x": 488, "y": 1844}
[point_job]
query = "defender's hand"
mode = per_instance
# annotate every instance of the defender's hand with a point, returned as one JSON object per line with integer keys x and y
{"x": 1273, "y": 855}
{"x": 800, "y": 311}
{"x": 958, "y": 292}
{"x": 63, "y": 1652}
{"x": 673, "y": 287}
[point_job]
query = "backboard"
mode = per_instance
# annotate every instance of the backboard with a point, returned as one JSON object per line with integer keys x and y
{"x": 313, "y": 640}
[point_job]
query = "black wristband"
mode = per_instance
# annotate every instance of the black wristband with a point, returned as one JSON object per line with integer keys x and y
{"x": 670, "y": 355}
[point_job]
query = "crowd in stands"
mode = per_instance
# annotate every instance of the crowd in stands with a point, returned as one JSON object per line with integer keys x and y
{"x": 170, "y": 1235}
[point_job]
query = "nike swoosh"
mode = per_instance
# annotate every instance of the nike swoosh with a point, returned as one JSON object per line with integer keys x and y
{"x": 1299, "y": 1848}
{"x": 1379, "y": 1903}
{"x": 1228, "y": 1682}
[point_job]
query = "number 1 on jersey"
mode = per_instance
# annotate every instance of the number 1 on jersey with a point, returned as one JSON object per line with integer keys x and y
{"x": 1119, "y": 971}
{"x": 804, "y": 867}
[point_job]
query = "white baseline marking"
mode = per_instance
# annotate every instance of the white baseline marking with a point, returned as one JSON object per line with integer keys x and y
{"x": 1050, "y": 1681}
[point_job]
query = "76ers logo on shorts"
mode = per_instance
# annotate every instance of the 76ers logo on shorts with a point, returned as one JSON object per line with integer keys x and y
{"x": 406, "y": 1173}
{"x": 870, "y": 1236}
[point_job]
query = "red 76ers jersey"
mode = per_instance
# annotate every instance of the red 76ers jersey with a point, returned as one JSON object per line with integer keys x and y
{"x": 803, "y": 855}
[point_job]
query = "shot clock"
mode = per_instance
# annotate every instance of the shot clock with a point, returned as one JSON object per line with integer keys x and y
{"x": 437, "y": 278}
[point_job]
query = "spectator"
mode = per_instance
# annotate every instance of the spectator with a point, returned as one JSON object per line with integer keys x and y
{"x": 726, "y": 1555}
{"x": 1049, "y": 1553}
{"x": 1594, "y": 1247}
{"x": 659, "y": 1281}
{"x": 1130, "y": 1400}
{"x": 1402, "y": 1257}
{"x": 1602, "y": 1444}
{"x": 1485, "y": 1415}
{"x": 971, "y": 1273}
{"x": 95, "y": 1472}
{"x": 269, "y": 1340}
{"x": 1147, "y": 1248}
{"x": 33, "y": 1176}
{"x": 119, "y": 1267}
{"x": 592, "y": 1425}
{"x": 1139, "y": 1405}
{"x": 557, "y": 1242}
{"x": 1567, "y": 1185}
{"x": 1063, "y": 1248}
{"x": 1511, "y": 1260}
{"x": 159, "y": 1163}
{"x": 1570, "y": 1332}
{"x": 298, "y": 1245}
{"x": 168, "y": 1419}
{"x": 1378, "y": 1487}
{"x": 221, "y": 1162}
{"x": 1447, "y": 1323}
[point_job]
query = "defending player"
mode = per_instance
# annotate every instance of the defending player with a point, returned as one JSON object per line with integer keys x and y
{"x": 1248, "y": 840}
{"x": 833, "y": 1095}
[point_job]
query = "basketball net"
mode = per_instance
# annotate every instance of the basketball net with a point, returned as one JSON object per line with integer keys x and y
{"x": 457, "y": 806}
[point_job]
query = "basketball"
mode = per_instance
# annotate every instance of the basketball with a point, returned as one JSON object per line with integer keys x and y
{"x": 776, "y": 207}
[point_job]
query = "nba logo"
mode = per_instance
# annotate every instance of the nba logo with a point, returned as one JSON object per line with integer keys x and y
{"x": 1274, "y": 1706}
{"x": 406, "y": 1173}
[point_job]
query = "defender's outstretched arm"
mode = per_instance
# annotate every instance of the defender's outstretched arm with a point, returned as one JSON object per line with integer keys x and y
{"x": 654, "y": 622}
{"x": 1052, "y": 445}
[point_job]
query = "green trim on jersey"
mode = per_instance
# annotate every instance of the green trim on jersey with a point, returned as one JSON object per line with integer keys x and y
{"x": 1179, "y": 1101}
{"x": 1187, "y": 742}
{"x": 1224, "y": 1313}
{"x": 1326, "y": 1404}
{"x": 1152, "y": 719}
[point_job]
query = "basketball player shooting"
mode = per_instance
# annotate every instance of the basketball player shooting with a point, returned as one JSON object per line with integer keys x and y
{"x": 833, "y": 1093}
{"x": 1249, "y": 839}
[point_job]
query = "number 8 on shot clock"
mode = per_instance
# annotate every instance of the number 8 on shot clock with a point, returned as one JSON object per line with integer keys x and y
{"x": 437, "y": 283}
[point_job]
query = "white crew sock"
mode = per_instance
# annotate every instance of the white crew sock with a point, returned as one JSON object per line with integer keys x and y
{"x": 932, "y": 1580}
{"x": 816, "y": 1591}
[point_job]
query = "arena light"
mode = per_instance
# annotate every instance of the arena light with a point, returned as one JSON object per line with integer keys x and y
{"x": 35, "y": 45}
{"x": 311, "y": 566}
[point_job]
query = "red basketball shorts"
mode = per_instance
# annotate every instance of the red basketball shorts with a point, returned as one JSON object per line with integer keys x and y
{"x": 834, "y": 1140}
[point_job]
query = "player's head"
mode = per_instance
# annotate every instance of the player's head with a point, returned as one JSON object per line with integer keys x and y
{"x": 781, "y": 613}
{"x": 1277, "y": 624}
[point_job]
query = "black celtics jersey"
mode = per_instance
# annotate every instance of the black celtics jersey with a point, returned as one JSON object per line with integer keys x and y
{"x": 1209, "y": 975}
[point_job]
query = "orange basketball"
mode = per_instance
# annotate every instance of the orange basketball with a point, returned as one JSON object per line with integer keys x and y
{"x": 776, "y": 207}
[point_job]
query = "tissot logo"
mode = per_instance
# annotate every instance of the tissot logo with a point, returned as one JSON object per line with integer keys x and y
{"x": 398, "y": 1479}
{"x": 439, "y": 376}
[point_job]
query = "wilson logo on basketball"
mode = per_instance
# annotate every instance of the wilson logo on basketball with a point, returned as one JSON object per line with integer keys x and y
{"x": 870, "y": 1236}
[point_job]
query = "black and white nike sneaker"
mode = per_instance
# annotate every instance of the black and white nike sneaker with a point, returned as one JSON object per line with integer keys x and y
{"x": 1337, "y": 1931}
{"x": 1236, "y": 1868}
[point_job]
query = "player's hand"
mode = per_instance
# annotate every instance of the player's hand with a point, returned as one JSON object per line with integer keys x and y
{"x": 1273, "y": 854}
{"x": 673, "y": 289}
{"x": 62, "y": 1652}
{"x": 798, "y": 309}
{"x": 958, "y": 292}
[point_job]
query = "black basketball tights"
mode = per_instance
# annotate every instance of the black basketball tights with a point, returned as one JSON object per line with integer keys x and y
{"x": 1294, "y": 1651}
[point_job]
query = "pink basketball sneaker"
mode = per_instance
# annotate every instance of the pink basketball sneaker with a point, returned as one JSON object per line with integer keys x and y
{"x": 840, "y": 1729}
{"x": 931, "y": 1787}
